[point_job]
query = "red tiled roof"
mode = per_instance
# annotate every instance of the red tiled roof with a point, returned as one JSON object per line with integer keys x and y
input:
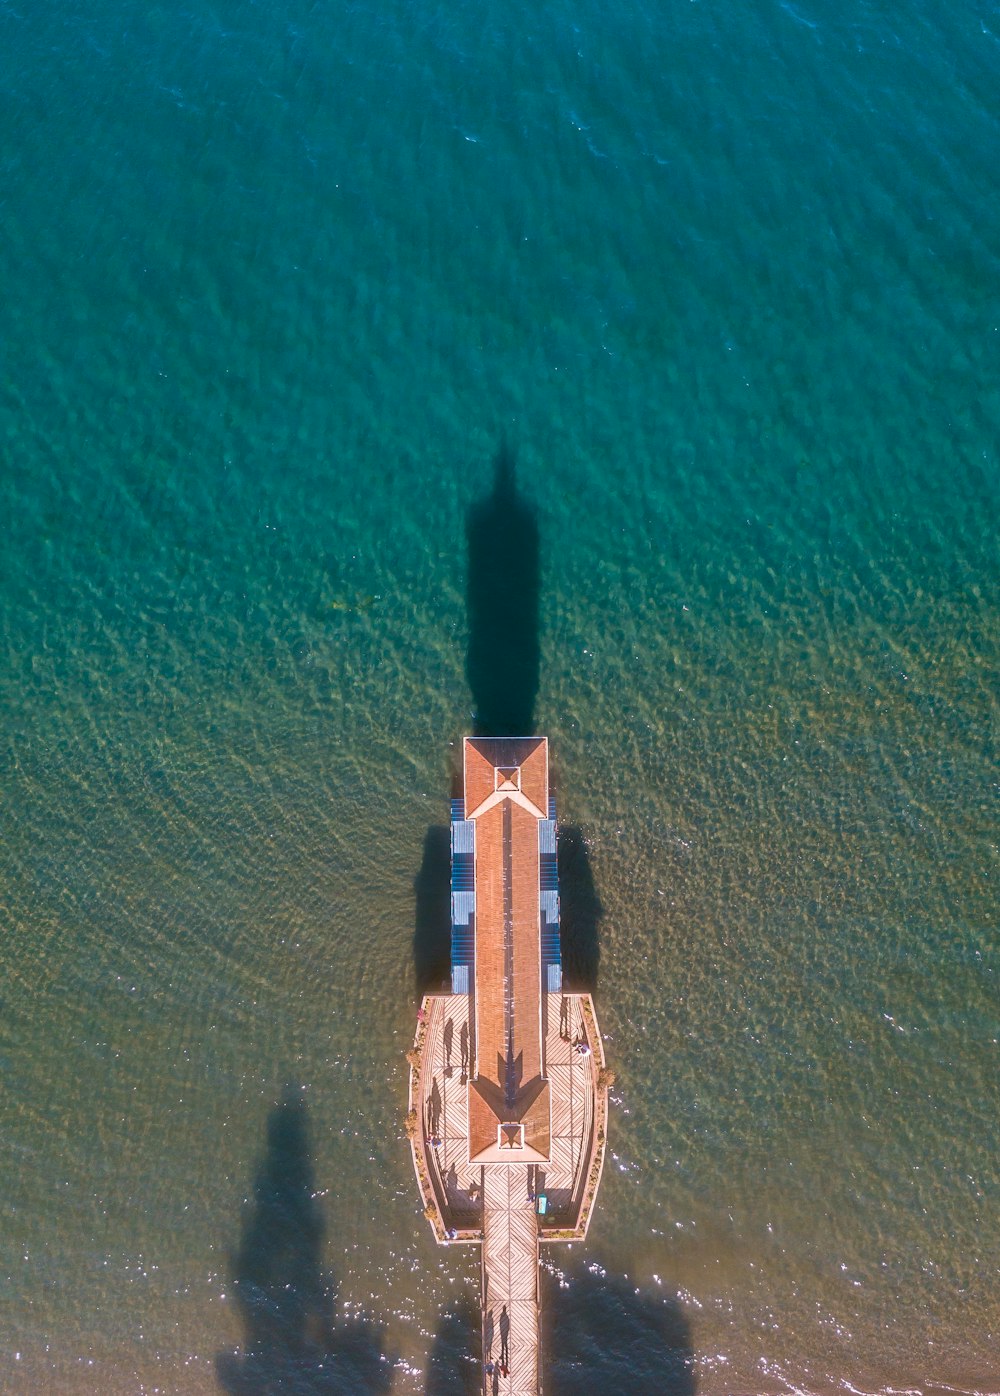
{"x": 506, "y": 794}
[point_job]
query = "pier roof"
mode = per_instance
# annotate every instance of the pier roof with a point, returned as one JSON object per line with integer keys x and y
{"x": 506, "y": 796}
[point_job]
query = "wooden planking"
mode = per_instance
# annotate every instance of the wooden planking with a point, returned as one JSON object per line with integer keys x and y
{"x": 445, "y": 1104}
{"x": 572, "y": 1107}
{"x": 572, "y": 1099}
{"x": 510, "y": 1277}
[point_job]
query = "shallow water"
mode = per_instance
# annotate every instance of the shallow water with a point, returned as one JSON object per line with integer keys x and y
{"x": 278, "y": 281}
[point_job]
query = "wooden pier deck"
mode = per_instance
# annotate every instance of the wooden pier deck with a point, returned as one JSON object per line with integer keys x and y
{"x": 439, "y": 1098}
{"x": 510, "y": 1282}
{"x": 491, "y": 1205}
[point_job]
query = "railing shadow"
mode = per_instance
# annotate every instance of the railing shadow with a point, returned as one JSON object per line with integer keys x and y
{"x": 292, "y": 1343}
{"x": 502, "y": 591}
{"x": 599, "y": 1335}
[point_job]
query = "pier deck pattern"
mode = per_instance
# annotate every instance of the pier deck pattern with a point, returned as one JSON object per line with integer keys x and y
{"x": 510, "y": 1280}
{"x": 572, "y": 1098}
{"x": 444, "y": 1108}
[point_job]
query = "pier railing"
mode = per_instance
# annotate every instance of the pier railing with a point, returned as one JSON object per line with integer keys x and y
{"x": 568, "y": 1223}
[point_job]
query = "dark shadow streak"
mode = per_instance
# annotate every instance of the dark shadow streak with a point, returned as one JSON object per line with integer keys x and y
{"x": 599, "y": 1335}
{"x": 454, "y": 1367}
{"x": 292, "y": 1343}
{"x": 580, "y": 911}
{"x": 432, "y": 923}
{"x": 502, "y": 590}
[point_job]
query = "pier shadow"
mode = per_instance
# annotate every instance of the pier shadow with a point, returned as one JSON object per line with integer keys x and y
{"x": 580, "y": 911}
{"x": 454, "y": 1367}
{"x": 432, "y": 917}
{"x": 502, "y": 668}
{"x": 292, "y": 1343}
{"x": 599, "y": 1335}
{"x": 502, "y": 591}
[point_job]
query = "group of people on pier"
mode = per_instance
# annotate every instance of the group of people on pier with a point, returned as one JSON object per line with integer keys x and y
{"x": 500, "y": 1368}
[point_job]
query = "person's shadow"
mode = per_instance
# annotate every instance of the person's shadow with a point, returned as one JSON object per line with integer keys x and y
{"x": 292, "y": 1343}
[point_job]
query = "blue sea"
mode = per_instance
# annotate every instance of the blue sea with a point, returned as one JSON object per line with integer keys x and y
{"x": 719, "y": 286}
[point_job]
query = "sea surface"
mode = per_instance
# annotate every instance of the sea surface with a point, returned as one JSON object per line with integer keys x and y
{"x": 280, "y": 282}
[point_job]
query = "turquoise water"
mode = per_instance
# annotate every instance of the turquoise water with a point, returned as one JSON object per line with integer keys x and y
{"x": 277, "y": 280}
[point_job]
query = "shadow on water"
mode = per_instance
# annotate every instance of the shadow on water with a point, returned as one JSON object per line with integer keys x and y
{"x": 432, "y": 918}
{"x": 502, "y": 590}
{"x": 502, "y": 665}
{"x": 580, "y": 910}
{"x": 453, "y": 1369}
{"x": 292, "y": 1343}
{"x": 599, "y": 1335}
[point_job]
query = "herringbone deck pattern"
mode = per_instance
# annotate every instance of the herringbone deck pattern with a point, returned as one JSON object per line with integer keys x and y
{"x": 445, "y": 1106}
{"x": 446, "y": 1109}
{"x": 572, "y": 1101}
{"x": 510, "y": 1279}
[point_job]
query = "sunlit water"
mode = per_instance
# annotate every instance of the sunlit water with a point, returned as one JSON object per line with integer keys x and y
{"x": 277, "y": 278}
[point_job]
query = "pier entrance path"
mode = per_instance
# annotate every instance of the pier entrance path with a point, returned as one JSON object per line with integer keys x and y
{"x": 510, "y": 1280}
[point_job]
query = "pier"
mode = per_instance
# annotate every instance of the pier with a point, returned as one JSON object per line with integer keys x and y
{"x": 507, "y": 1113}
{"x": 509, "y": 1286}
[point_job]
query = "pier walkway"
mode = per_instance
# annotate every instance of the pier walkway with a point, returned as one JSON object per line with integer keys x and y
{"x": 510, "y": 1280}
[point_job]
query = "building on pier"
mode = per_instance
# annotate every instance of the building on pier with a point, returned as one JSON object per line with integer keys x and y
{"x": 508, "y": 1101}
